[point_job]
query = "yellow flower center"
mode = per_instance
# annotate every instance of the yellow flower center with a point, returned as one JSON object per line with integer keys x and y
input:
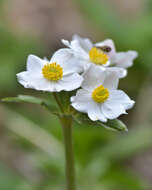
{"x": 52, "y": 71}
{"x": 100, "y": 94}
{"x": 97, "y": 56}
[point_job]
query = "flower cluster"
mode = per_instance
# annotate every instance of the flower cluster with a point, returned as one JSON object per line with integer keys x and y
{"x": 93, "y": 69}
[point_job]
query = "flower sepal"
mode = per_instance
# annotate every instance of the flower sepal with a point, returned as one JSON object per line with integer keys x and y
{"x": 114, "y": 125}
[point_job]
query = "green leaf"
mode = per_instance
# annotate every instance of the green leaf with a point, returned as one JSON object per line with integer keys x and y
{"x": 115, "y": 125}
{"x": 31, "y": 99}
{"x": 23, "y": 98}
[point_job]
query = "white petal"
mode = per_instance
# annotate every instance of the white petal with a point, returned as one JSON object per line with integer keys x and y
{"x": 112, "y": 110}
{"x": 117, "y": 104}
{"x": 66, "y": 59}
{"x": 121, "y": 71}
{"x": 110, "y": 43}
{"x": 26, "y": 78}
{"x": 83, "y": 102}
{"x": 37, "y": 82}
{"x": 78, "y": 51}
{"x": 85, "y": 43}
{"x": 124, "y": 59}
{"x": 34, "y": 63}
{"x": 120, "y": 97}
{"x": 93, "y": 77}
{"x": 46, "y": 59}
{"x": 95, "y": 113}
{"x": 66, "y": 43}
{"x": 111, "y": 79}
{"x": 69, "y": 82}
{"x": 23, "y": 78}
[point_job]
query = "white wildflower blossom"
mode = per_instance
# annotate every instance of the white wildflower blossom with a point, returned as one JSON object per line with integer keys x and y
{"x": 99, "y": 97}
{"x": 53, "y": 76}
{"x": 101, "y": 53}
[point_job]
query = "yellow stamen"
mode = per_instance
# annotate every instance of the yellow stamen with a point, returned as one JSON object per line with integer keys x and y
{"x": 52, "y": 71}
{"x": 97, "y": 56}
{"x": 100, "y": 94}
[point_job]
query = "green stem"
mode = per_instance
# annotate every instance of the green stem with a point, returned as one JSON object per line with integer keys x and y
{"x": 66, "y": 122}
{"x": 58, "y": 101}
{"x": 70, "y": 170}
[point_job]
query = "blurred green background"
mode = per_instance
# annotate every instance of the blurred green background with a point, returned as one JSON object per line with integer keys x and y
{"x": 31, "y": 149}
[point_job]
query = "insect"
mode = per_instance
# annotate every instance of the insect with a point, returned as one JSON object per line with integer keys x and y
{"x": 106, "y": 49}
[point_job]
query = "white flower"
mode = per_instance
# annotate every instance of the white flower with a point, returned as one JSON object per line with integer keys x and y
{"x": 118, "y": 59}
{"x": 101, "y": 53}
{"x": 99, "y": 97}
{"x": 53, "y": 76}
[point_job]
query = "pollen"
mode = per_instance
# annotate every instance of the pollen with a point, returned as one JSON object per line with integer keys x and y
{"x": 98, "y": 56}
{"x": 100, "y": 94}
{"x": 52, "y": 71}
